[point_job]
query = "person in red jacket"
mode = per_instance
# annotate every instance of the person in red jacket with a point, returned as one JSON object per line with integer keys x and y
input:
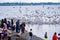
{"x": 54, "y": 36}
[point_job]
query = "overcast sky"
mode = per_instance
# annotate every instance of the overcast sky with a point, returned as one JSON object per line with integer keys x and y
{"x": 29, "y": 1}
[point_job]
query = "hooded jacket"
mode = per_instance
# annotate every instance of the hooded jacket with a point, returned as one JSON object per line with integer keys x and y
{"x": 54, "y": 37}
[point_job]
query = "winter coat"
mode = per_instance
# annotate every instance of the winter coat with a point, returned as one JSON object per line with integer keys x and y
{"x": 22, "y": 26}
{"x": 17, "y": 24}
{"x": 8, "y": 25}
{"x": 5, "y": 28}
{"x": 54, "y": 37}
{"x": 45, "y": 35}
{"x": 12, "y": 22}
{"x": 2, "y": 23}
{"x": 30, "y": 33}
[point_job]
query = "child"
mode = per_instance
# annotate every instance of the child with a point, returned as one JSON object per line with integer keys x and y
{"x": 30, "y": 34}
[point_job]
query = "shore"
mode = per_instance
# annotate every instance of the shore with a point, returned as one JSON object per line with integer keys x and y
{"x": 24, "y": 36}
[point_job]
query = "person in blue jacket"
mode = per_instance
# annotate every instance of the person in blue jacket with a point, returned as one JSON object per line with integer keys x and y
{"x": 8, "y": 25}
{"x": 17, "y": 26}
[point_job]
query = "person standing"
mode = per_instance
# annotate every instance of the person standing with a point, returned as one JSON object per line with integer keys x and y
{"x": 22, "y": 27}
{"x": 5, "y": 29}
{"x": 2, "y": 21}
{"x": 45, "y": 36}
{"x": 5, "y": 20}
{"x": 12, "y": 24}
{"x": 13, "y": 28}
{"x": 30, "y": 34}
{"x": 8, "y": 24}
{"x": 18, "y": 26}
{"x": 54, "y": 37}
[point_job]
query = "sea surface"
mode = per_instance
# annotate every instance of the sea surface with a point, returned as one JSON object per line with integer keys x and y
{"x": 39, "y": 30}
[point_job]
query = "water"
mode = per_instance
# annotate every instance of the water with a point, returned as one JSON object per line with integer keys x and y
{"x": 44, "y": 11}
{"x": 39, "y": 30}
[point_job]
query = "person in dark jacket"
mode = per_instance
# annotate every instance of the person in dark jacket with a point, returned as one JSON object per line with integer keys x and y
{"x": 8, "y": 25}
{"x": 12, "y": 24}
{"x": 18, "y": 26}
{"x": 22, "y": 27}
{"x": 45, "y": 36}
{"x": 5, "y": 20}
{"x": 2, "y": 21}
{"x": 54, "y": 37}
{"x": 13, "y": 28}
{"x": 30, "y": 34}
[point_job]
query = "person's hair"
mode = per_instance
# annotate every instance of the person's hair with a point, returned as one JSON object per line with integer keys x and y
{"x": 31, "y": 29}
{"x": 45, "y": 32}
{"x": 55, "y": 33}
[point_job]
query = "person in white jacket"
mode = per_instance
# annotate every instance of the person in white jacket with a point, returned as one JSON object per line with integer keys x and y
{"x": 5, "y": 29}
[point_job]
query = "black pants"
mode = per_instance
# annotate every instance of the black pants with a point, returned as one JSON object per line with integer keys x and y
{"x": 9, "y": 38}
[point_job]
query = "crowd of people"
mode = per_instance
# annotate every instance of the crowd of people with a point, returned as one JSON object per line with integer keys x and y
{"x": 54, "y": 36}
{"x": 9, "y": 26}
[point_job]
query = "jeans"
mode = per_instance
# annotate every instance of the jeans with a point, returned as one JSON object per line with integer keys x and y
{"x": 17, "y": 30}
{"x": 30, "y": 37}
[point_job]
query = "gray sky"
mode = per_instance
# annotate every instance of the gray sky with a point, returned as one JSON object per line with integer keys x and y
{"x": 29, "y": 1}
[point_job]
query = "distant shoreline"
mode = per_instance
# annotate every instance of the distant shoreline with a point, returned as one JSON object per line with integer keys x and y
{"x": 22, "y": 4}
